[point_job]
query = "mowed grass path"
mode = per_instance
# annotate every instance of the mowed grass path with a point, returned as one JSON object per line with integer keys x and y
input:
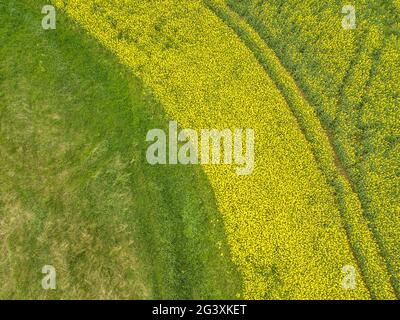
{"x": 75, "y": 190}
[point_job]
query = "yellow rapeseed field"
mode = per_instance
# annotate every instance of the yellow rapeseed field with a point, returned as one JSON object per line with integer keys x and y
{"x": 287, "y": 235}
{"x": 351, "y": 78}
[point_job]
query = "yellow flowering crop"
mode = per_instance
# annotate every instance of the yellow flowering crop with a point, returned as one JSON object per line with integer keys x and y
{"x": 351, "y": 78}
{"x": 284, "y": 225}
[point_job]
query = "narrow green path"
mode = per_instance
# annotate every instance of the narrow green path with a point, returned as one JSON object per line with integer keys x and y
{"x": 75, "y": 189}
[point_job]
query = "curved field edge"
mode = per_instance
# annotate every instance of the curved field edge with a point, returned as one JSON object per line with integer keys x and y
{"x": 114, "y": 27}
{"x": 76, "y": 190}
{"x": 361, "y": 239}
{"x": 360, "y": 132}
